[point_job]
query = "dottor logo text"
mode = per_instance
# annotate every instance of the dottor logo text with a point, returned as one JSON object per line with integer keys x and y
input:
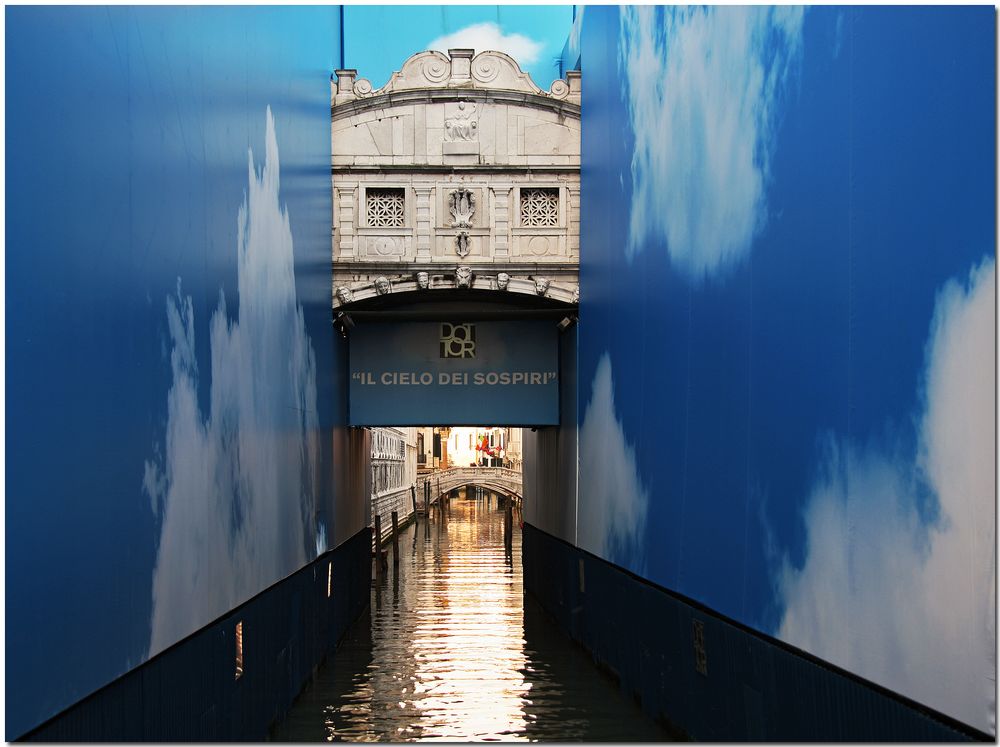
{"x": 458, "y": 340}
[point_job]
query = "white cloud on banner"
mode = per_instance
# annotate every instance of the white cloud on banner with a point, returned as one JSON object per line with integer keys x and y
{"x": 489, "y": 36}
{"x": 908, "y": 602}
{"x": 613, "y": 500}
{"x": 236, "y": 487}
{"x": 703, "y": 87}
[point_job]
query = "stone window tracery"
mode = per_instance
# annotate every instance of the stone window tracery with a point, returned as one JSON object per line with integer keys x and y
{"x": 385, "y": 207}
{"x": 540, "y": 206}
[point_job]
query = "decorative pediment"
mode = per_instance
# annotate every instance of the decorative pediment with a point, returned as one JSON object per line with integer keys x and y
{"x": 461, "y": 68}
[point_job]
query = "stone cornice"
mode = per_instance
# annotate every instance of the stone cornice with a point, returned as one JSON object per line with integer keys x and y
{"x": 439, "y": 284}
{"x": 348, "y": 108}
{"x": 448, "y": 265}
{"x": 453, "y": 169}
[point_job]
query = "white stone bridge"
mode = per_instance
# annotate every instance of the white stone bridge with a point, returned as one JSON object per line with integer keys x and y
{"x": 498, "y": 479}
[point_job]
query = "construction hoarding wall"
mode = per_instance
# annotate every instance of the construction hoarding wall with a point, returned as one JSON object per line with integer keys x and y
{"x": 787, "y": 333}
{"x": 171, "y": 369}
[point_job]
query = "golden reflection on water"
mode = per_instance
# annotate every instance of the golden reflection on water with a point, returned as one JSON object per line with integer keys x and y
{"x": 468, "y": 645}
{"x": 444, "y": 654}
{"x": 465, "y": 641}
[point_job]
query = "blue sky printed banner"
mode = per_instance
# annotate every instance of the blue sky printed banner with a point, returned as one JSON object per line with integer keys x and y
{"x": 787, "y": 356}
{"x": 169, "y": 348}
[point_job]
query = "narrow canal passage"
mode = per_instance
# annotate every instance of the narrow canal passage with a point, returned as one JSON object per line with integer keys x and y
{"x": 451, "y": 650}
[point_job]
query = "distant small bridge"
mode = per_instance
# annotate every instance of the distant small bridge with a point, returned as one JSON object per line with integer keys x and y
{"x": 498, "y": 479}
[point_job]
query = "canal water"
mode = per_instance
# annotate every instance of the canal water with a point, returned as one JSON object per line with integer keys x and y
{"x": 452, "y": 650}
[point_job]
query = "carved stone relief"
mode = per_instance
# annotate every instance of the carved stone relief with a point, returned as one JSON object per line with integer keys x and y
{"x": 503, "y": 279}
{"x": 344, "y": 294}
{"x": 462, "y": 203}
{"x": 382, "y": 285}
{"x": 463, "y": 277}
{"x": 576, "y": 295}
{"x": 462, "y": 124}
{"x": 462, "y": 244}
{"x": 542, "y": 286}
{"x": 423, "y": 280}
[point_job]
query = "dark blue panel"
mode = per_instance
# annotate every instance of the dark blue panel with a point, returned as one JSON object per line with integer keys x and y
{"x": 190, "y": 692}
{"x": 707, "y": 677}
{"x": 505, "y": 373}
{"x": 129, "y": 138}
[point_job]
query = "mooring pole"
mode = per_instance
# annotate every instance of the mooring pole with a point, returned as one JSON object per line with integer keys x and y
{"x": 508, "y": 527}
{"x": 395, "y": 538}
{"x": 378, "y": 546}
{"x": 413, "y": 497}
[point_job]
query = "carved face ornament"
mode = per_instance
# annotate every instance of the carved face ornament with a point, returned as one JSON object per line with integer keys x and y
{"x": 382, "y": 285}
{"x": 542, "y": 286}
{"x": 423, "y": 280}
{"x": 463, "y": 277}
{"x": 503, "y": 279}
{"x": 344, "y": 294}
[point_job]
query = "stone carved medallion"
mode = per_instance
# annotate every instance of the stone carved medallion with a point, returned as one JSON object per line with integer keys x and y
{"x": 462, "y": 204}
{"x": 344, "y": 294}
{"x": 542, "y": 286}
{"x": 503, "y": 279}
{"x": 538, "y": 245}
{"x": 463, "y": 277}
{"x": 462, "y": 244}
{"x": 423, "y": 280}
{"x": 382, "y": 285}
{"x": 385, "y": 245}
{"x": 462, "y": 125}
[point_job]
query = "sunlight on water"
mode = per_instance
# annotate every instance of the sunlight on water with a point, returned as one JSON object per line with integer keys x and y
{"x": 451, "y": 651}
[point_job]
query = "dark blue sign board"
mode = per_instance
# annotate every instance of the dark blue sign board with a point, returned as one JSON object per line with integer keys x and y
{"x": 454, "y": 373}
